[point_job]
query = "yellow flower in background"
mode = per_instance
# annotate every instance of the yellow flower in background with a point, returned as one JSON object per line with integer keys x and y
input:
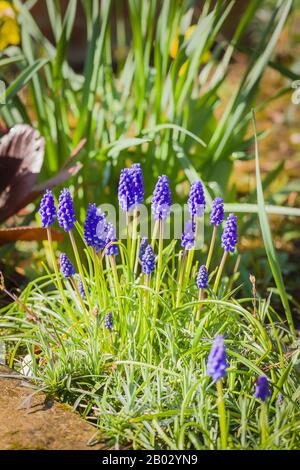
{"x": 9, "y": 28}
{"x": 183, "y": 68}
{"x": 175, "y": 45}
{"x": 189, "y": 32}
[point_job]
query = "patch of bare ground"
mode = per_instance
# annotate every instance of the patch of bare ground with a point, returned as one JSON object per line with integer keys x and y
{"x": 38, "y": 423}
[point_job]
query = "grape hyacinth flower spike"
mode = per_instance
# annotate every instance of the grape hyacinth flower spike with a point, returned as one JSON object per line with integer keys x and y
{"x": 81, "y": 289}
{"x": 148, "y": 261}
{"x": 196, "y": 201}
{"x": 188, "y": 236}
{"x": 229, "y": 241}
{"x": 217, "y": 364}
{"x": 217, "y": 213}
{"x": 202, "y": 277}
{"x": 161, "y": 200}
{"x": 125, "y": 195}
{"x": 216, "y": 369}
{"x": 47, "y": 209}
{"x": 108, "y": 321}
{"x": 202, "y": 281}
{"x": 262, "y": 392}
{"x": 137, "y": 183}
{"x": 131, "y": 187}
{"x": 111, "y": 246}
{"x": 65, "y": 214}
{"x": 143, "y": 246}
{"x": 216, "y": 218}
{"x": 66, "y": 267}
{"x": 229, "y": 236}
{"x": 94, "y": 221}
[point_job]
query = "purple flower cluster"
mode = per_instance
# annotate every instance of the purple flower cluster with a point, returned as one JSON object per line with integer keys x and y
{"x": 81, "y": 288}
{"x": 143, "y": 246}
{"x": 94, "y": 219}
{"x": 108, "y": 321}
{"x": 161, "y": 200}
{"x": 230, "y": 236}
{"x": 65, "y": 212}
{"x": 202, "y": 277}
{"x": 188, "y": 236}
{"x": 47, "y": 209}
{"x": 217, "y": 363}
{"x": 217, "y": 213}
{"x": 196, "y": 201}
{"x": 111, "y": 246}
{"x": 131, "y": 187}
{"x": 262, "y": 388}
{"x": 66, "y": 267}
{"x": 148, "y": 261}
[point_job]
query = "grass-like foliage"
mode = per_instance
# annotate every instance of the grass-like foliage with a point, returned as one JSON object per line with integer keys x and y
{"x": 155, "y": 104}
{"x": 128, "y": 344}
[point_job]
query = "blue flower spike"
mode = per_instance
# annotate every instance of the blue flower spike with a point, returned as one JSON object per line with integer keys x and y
{"x": 196, "y": 201}
{"x": 148, "y": 261}
{"x": 47, "y": 209}
{"x": 65, "y": 213}
{"x": 161, "y": 200}
{"x": 66, "y": 267}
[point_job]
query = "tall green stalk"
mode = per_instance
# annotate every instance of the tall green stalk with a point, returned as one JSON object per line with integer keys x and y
{"x": 55, "y": 267}
{"x": 263, "y": 424}
{"x": 222, "y": 415}
{"x": 220, "y": 271}
{"x": 159, "y": 266}
{"x": 79, "y": 265}
{"x": 211, "y": 247}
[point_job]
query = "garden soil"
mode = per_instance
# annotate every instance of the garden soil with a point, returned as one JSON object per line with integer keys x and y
{"x": 38, "y": 423}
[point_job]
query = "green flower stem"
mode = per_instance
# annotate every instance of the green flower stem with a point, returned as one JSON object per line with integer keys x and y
{"x": 136, "y": 265}
{"x": 222, "y": 415}
{"x": 147, "y": 284}
{"x": 189, "y": 264}
{"x": 219, "y": 273}
{"x": 180, "y": 278}
{"x": 55, "y": 267}
{"x": 199, "y": 306}
{"x": 128, "y": 233}
{"x": 263, "y": 424}
{"x": 134, "y": 238}
{"x": 191, "y": 254}
{"x": 211, "y": 248}
{"x": 116, "y": 282}
{"x": 79, "y": 265}
{"x": 99, "y": 281}
{"x": 75, "y": 286}
{"x": 154, "y": 234}
{"x": 159, "y": 266}
{"x": 108, "y": 272}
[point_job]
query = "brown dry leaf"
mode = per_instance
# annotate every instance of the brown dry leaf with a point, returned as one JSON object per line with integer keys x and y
{"x": 10, "y": 235}
{"x": 21, "y": 159}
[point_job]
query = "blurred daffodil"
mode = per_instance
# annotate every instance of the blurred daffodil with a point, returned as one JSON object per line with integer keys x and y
{"x": 9, "y": 28}
{"x": 189, "y": 32}
{"x": 174, "y": 45}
